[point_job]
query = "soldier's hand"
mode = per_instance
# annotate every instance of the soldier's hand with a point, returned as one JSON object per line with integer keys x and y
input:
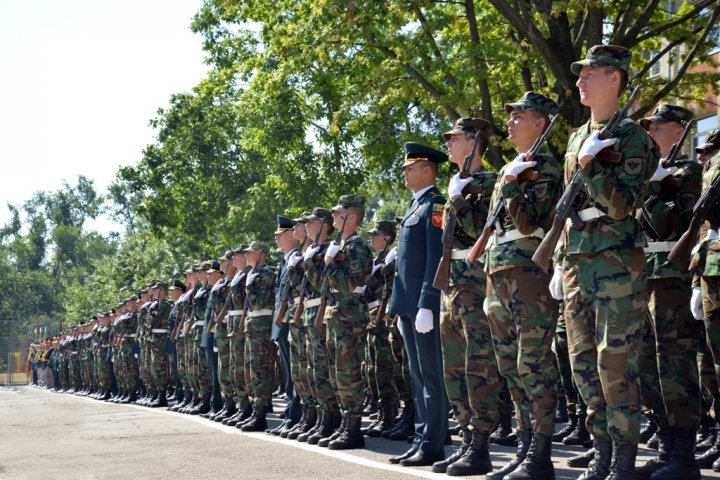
{"x": 696, "y": 304}
{"x": 556, "y": 283}
{"x": 375, "y": 267}
{"x": 424, "y": 320}
{"x": 331, "y": 252}
{"x": 516, "y": 167}
{"x": 662, "y": 172}
{"x": 251, "y": 276}
{"x": 457, "y": 184}
{"x": 294, "y": 260}
{"x": 592, "y": 146}
{"x": 392, "y": 254}
{"x": 311, "y": 252}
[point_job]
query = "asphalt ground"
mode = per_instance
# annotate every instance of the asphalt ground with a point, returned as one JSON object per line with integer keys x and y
{"x": 46, "y": 435}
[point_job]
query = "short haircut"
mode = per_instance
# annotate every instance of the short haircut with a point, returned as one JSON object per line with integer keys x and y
{"x": 360, "y": 212}
{"x": 609, "y": 69}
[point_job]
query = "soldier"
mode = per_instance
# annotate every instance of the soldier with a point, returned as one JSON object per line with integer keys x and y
{"x": 177, "y": 288}
{"x": 207, "y": 337}
{"x": 380, "y": 359}
{"x": 158, "y": 314}
{"x": 259, "y": 303}
{"x": 347, "y": 263}
{"x": 520, "y": 308}
{"x": 200, "y": 363}
{"x": 603, "y": 268}
{"x": 417, "y": 303}
{"x": 668, "y": 368}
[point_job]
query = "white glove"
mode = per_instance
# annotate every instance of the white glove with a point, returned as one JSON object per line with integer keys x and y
{"x": 251, "y": 278}
{"x": 457, "y": 184}
{"x": 486, "y": 305}
{"x": 662, "y": 172}
{"x": 311, "y": 252}
{"x": 696, "y": 304}
{"x": 592, "y": 145}
{"x": 556, "y": 283}
{"x": 424, "y": 320}
{"x": 332, "y": 250}
{"x": 518, "y": 165}
{"x": 294, "y": 260}
{"x": 375, "y": 267}
{"x": 392, "y": 254}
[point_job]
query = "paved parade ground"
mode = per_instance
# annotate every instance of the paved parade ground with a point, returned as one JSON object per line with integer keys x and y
{"x": 47, "y": 436}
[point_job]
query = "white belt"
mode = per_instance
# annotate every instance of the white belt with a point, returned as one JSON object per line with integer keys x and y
{"x": 296, "y": 300}
{"x": 235, "y": 313}
{"x": 357, "y": 291}
{"x": 374, "y": 304}
{"x": 709, "y": 237}
{"x": 159, "y": 330}
{"x": 199, "y": 323}
{"x": 590, "y": 214}
{"x": 513, "y": 235}
{"x": 460, "y": 254}
{"x": 260, "y": 313}
{"x": 130, "y": 336}
{"x": 656, "y": 247}
{"x": 313, "y": 302}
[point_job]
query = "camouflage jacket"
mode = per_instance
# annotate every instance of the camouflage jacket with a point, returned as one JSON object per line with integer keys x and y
{"x": 261, "y": 292}
{"x": 710, "y": 248}
{"x": 615, "y": 189}
{"x": 314, "y": 269}
{"x": 158, "y": 314}
{"x": 235, "y": 300}
{"x": 666, "y": 215}
{"x": 349, "y": 274}
{"x": 471, "y": 210}
{"x": 528, "y": 206}
{"x": 380, "y": 284}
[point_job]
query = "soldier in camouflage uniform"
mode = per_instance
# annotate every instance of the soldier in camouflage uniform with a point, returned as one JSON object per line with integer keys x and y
{"x": 470, "y": 369}
{"x": 200, "y": 366}
{"x": 520, "y": 309}
{"x": 180, "y": 310}
{"x": 604, "y": 284}
{"x": 143, "y": 346}
{"x": 259, "y": 303}
{"x": 668, "y": 368}
{"x": 380, "y": 359}
{"x": 176, "y": 289}
{"x": 347, "y": 264}
{"x": 158, "y": 314}
{"x": 128, "y": 352}
{"x": 187, "y": 337}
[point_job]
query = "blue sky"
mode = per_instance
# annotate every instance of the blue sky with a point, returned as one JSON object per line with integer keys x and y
{"x": 80, "y": 81}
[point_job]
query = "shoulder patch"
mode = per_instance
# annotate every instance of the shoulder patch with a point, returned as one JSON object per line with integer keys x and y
{"x": 633, "y": 166}
{"x": 437, "y": 219}
{"x": 438, "y": 207}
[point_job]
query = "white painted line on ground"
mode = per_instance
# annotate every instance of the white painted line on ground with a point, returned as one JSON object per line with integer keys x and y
{"x": 339, "y": 455}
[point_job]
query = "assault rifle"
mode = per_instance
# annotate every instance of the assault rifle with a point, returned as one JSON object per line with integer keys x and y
{"x": 325, "y": 290}
{"x": 285, "y": 298}
{"x": 303, "y": 284}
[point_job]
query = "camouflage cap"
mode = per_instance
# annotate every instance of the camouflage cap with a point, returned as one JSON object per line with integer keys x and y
{"x": 469, "y": 125}
{"x": 303, "y": 218}
{"x": 712, "y": 142}
{"x": 384, "y": 226}
{"x": 259, "y": 247}
{"x": 228, "y": 255}
{"x": 534, "y": 101}
{"x": 349, "y": 201}
{"x": 668, "y": 113}
{"x": 417, "y": 152}
{"x": 322, "y": 214}
{"x": 192, "y": 269}
{"x": 161, "y": 285}
{"x": 600, "y": 55}
{"x": 242, "y": 248}
{"x": 285, "y": 224}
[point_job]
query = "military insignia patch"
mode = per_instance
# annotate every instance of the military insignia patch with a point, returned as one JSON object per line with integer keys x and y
{"x": 541, "y": 190}
{"x": 437, "y": 219}
{"x": 438, "y": 207}
{"x": 355, "y": 265}
{"x": 688, "y": 200}
{"x": 633, "y": 166}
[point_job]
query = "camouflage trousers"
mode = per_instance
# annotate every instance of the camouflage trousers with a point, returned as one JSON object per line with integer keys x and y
{"x": 159, "y": 361}
{"x": 380, "y": 363}
{"x": 668, "y": 356}
{"x": 522, "y": 322}
{"x": 104, "y": 370}
{"x": 74, "y": 369}
{"x": 331, "y": 354}
{"x": 239, "y": 372}
{"x": 711, "y": 308}
{"x": 318, "y": 360}
{"x": 710, "y": 392}
{"x": 200, "y": 367}
{"x": 130, "y": 369}
{"x": 605, "y": 297}
{"x": 573, "y": 399}
{"x": 181, "y": 365}
{"x": 349, "y": 330}
{"x": 222, "y": 341}
{"x": 469, "y": 365}
{"x": 145, "y": 365}
{"x": 401, "y": 368}
{"x": 261, "y": 358}
{"x": 299, "y": 362}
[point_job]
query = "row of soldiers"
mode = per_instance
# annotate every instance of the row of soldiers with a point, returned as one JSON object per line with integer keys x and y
{"x": 628, "y": 336}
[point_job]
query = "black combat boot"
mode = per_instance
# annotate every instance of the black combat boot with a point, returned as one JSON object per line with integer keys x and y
{"x": 537, "y": 463}
{"x": 327, "y": 428}
{"x": 580, "y": 435}
{"x": 160, "y": 401}
{"x": 285, "y": 433}
{"x": 622, "y": 466}
{"x": 230, "y": 410}
{"x": 476, "y": 460}
{"x": 303, "y": 437}
{"x": 384, "y": 421}
{"x": 665, "y": 448}
{"x": 599, "y": 466}
{"x": 567, "y": 430}
{"x": 258, "y": 422}
{"x": 202, "y": 407}
{"x": 524, "y": 439}
{"x": 648, "y": 431}
{"x": 442, "y": 465}
{"x": 306, "y": 426}
{"x": 503, "y": 434}
{"x": 244, "y": 412}
{"x": 706, "y": 434}
{"x": 709, "y": 456}
{"x": 326, "y": 441}
{"x": 194, "y": 402}
{"x": 405, "y": 427}
{"x": 682, "y": 464}
{"x": 249, "y": 419}
{"x": 351, "y": 437}
{"x": 582, "y": 460}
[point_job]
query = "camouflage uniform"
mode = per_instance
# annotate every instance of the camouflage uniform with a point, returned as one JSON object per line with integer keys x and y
{"x": 520, "y": 309}
{"x": 158, "y": 314}
{"x": 218, "y": 300}
{"x": 469, "y": 364}
{"x": 236, "y": 335}
{"x": 200, "y": 367}
{"x": 604, "y": 282}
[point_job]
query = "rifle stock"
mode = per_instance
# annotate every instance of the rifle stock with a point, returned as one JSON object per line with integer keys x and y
{"x": 680, "y": 254}
{"x": 546, "y": 249}
{"x": 479, "y": 247}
